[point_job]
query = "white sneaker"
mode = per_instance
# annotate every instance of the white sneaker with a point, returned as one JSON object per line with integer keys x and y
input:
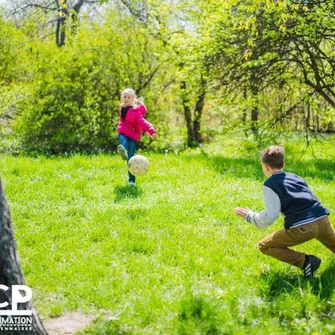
{"x": 122, "y": 152}
{"x": 132, "y": 183}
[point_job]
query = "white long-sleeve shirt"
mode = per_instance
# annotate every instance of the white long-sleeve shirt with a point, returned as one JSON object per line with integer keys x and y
{"x": 272, "y": 209}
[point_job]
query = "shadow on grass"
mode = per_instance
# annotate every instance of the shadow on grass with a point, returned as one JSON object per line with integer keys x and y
{"x": 197, "y": 316}
{"x": 277, "y": 283}
{"x": 126, "y": 192}
{"x": 327, "y": 282}
{"x": 251, "y": 167}
{"x": 239, "y": 167}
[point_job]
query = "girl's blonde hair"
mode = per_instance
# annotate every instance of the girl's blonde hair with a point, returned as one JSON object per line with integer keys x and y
{"x": 130, "y": 91}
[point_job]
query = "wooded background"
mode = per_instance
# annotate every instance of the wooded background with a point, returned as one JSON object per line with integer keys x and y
{"x": 204, "y": 68}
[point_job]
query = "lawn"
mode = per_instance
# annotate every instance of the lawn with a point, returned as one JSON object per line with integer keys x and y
{"x": 170, "y": 256}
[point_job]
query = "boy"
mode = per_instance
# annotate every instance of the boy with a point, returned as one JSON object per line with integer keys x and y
{"x": 305, "y": 217}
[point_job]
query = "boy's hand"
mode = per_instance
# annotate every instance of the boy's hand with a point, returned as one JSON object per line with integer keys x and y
{"x": 242, "y": 212}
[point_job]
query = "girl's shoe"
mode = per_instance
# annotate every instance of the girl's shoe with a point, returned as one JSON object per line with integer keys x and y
{"x": 122, "y": 152}
{"x": 132, "y": 183}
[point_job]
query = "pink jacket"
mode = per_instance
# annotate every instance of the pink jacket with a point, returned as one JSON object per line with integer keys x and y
{"x": 135, "y": 123}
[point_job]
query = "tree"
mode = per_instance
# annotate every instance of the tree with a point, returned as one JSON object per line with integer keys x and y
{"x": 73, "y": 101}
{"x": 257, "y": 45}
{"x": 55, "y": 12}
{"x": 10, "y": 268}
{"x": 170, "y": 23}
{"x": 64, "y": 12}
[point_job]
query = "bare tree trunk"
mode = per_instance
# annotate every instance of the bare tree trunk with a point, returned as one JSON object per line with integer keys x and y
{"x": 254, "y": 107}
{"x": 244, "y": 115}
{"x": 308, "y": 117}
{"x": 317, "y": 122}
{"x": 187, "y": 114}
{"x": 198, "y": 112}
{"x": 11, "y": 273}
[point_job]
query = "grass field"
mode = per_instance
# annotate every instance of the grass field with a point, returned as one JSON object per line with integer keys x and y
{"x": 170, "y": 256}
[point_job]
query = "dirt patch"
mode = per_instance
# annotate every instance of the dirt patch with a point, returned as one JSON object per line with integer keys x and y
{"x": 67, "y": 324}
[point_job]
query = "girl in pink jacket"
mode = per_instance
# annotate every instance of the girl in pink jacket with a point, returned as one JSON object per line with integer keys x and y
{"x": 131, "y": 126}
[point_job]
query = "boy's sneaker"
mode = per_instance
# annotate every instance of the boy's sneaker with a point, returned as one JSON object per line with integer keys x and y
{"x": 132, "y": 183}
{"x": 122, "y": 152}
{"x": 312, "y": 263}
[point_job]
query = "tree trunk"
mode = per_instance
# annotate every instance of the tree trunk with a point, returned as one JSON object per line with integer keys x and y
{"x": 254, "y": 107}
{"x": 75, "y": 13}
{"x": 308, "y": 117}
{"x": 244, "y": 115}
{"x": 60, "y": 28}
{"x": 254, "y": 112}
{"x": 11, "y": 273}
{"x": 198, "y": 112}
{"x": 187, "y": 114}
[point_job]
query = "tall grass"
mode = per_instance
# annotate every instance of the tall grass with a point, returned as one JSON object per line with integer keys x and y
{"x": 170, "y": 256}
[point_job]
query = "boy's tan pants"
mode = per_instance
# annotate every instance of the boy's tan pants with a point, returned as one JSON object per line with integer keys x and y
{"x": 276, "y": 244}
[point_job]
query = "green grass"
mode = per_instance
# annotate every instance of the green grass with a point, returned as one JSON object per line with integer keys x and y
{"x": 169, "y": 257}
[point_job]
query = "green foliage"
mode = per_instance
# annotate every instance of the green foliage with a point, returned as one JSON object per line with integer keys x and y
{"x": 257, "y": 49}
{"x": 9, "y": 56}
{"x": 73, "y": 105}
{"x": 204, "y": 68}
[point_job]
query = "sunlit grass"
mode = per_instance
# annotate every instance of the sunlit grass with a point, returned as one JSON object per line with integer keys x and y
{"x": 167, "y": 257}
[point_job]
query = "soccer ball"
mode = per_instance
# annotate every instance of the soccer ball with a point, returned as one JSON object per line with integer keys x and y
{"x": 138, "y": 165}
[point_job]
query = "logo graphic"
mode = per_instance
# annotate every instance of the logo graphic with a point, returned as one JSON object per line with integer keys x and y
{"x": 15, "y": 319}
{"x": 16, "y": 299}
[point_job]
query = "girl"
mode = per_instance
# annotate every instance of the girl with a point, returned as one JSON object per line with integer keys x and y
{"x": 131, "y": 126}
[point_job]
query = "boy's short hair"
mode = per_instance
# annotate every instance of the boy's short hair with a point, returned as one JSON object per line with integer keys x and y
{"x": 274, "y": 156}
